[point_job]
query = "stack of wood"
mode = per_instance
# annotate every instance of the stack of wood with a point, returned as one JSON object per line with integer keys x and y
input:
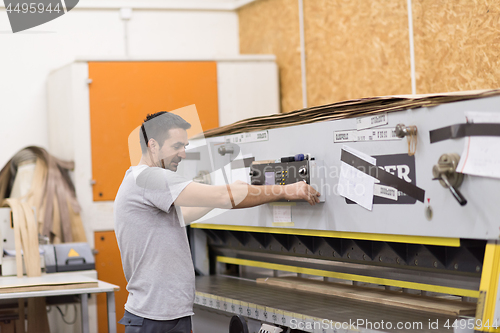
{"x": 376, "y": 296}
{"x": 26, "y": 237}
{"x": 346, "y": 109}
{"x": 37, "y": 188}
{"x": 51, "y": 194}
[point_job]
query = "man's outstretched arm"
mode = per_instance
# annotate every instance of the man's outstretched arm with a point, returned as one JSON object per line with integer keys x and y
{"x": 191, "y": 214}
{"x": 258, "y": 195}
{"x": 242, "y": 195}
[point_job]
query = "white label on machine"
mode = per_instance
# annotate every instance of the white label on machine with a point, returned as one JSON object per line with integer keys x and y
{"x": 355, "y": 184}
{"x": 282, "y": 213}
{"x": 345, "y": 136}
{"x": 385, "y": 192}
{"x": 247, "y": 137}
{"x": 372, "y": 121}
{"x": 379, "y": 134}
{"x": 481, "y": 155}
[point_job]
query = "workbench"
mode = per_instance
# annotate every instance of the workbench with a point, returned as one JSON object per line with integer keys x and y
{"x": 102, "y": 287}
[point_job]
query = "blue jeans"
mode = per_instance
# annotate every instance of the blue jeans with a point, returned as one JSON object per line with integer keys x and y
{"x": 136, "y": 324}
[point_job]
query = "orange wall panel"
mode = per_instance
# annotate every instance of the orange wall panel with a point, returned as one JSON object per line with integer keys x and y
{"x": 123, "y": 93}
{"x": 109, "y": 269}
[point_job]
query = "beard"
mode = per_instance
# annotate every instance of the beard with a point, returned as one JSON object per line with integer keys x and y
{"x": 170, "y": 166}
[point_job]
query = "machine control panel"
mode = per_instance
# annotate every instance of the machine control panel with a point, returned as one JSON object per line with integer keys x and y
{"x": 279, "y": 173}
{"x": 284, "y": 173}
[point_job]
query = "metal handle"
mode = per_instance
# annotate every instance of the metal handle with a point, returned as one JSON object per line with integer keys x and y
{"x": 455, "y": 192}
{"x": 446, "y": 172}
{"x": 82, "y": 259}
{"x": 223, "y": 150}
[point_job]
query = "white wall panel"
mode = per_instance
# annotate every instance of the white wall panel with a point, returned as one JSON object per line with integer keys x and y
{"x": 28, "y": 57}
{"x": 183, "y": 33}
{"x": 247, "y": 89}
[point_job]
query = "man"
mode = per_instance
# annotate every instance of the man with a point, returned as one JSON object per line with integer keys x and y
{"x": 152, "y": 240}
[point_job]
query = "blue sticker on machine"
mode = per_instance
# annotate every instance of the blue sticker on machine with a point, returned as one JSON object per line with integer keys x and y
{"x": 402, "y": 166}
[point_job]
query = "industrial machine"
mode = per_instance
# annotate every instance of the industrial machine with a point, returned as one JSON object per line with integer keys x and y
{"x": 410, "y": 205}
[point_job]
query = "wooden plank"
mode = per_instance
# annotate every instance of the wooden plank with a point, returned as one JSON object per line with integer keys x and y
{"x": 49, "y": 287}
{"x": 372, "y": 295}
{"x": 39, "y": 177}
{"x": 4, "y": 180}
{"x": 44, "y": 280}
{"x": 16, "y": 212}
{"x": 63, "y": 208}
{"x": 20, "y": 323}
{"x": 8, "y": 326}
{"x": 56, "y": 236}
{"x": 33, "y": 260}
{"x": 37, "y": 315}
{"x": 50, "y": 188}
{"x": 263, "y": 26}
{"x": 26, "y": 237}
{"x": 76, "y": 225}
{"x": 25, "y": 243}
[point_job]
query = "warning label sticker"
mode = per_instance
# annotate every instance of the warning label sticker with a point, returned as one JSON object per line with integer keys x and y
{"x": 400, "y": 165}
{"x": 73, "y": 253}
{"x": 378, "y": 134}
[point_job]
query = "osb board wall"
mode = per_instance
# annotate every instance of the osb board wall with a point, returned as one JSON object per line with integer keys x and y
{"x": 457, "y": 45}
{"x": 356, "y": 48}
{"x": 272, "y": 27}
{"x": 359, "y": 48}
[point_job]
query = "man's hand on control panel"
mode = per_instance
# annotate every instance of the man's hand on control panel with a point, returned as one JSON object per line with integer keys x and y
{"x": 301, "y": 191}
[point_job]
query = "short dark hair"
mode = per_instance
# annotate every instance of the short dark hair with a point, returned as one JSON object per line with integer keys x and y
{"x": 158, "y": 128}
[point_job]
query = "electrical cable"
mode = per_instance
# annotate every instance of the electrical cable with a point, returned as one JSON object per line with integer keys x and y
{"x": 64, "y": 315}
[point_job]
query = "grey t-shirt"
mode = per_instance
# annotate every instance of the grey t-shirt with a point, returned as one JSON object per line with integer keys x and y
{"x": 153, "y": 244}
